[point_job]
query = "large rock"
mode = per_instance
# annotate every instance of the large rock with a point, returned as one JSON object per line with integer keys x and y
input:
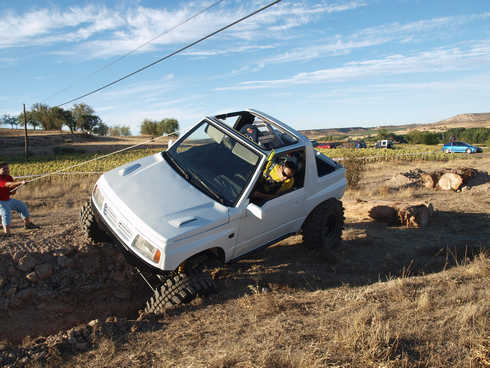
{"x": 415, "y": 216}
{"x": 405, "y": 213}
{"x": 450, "y": 181}
{"x": 428, "y": 180}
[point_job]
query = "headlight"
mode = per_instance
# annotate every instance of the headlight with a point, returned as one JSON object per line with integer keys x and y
{"x": 147, "y": 249}
{"x": 98, "y": 197}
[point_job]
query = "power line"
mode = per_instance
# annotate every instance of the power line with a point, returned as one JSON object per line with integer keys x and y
{"x": 171, "y": 54}
{"x": 137, "y": 48}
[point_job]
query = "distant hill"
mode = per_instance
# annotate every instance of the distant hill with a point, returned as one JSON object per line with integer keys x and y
{"x": 473, "y": 120}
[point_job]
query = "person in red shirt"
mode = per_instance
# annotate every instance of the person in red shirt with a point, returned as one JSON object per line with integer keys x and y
{"x": 7, "y": 204}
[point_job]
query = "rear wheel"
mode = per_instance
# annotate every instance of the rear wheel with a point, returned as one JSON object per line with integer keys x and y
{"x": 468, "y": 150}
{"x": 181, "y": 288}
{"x": 89, "y": 225}
{"x": 323, "y": 227}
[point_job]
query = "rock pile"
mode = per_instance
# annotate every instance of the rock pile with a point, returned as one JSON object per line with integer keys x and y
{"x": 38, "y": 279}
{"x": 443, "y": 179}
{"x": 391, "y": 212}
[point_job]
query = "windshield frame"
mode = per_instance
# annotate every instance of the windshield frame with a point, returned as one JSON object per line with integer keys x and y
{"x": 229, "y": 132}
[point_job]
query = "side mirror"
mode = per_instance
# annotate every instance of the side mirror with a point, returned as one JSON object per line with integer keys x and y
{"x": 170, "y": 143}
{"x": 254, "y": 210}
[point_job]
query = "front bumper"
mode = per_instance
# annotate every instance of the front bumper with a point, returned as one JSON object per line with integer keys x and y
{"x": 131, "y": 257}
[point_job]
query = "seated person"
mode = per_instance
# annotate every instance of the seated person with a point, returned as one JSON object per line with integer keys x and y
{"x": 277, "y": 180}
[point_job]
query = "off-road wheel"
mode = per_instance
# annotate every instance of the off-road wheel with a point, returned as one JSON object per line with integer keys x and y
{"x": 468, "y": 151}
{"x": 447, "y": 150}
{"x": 323, "y": 227}
{"x": 182, "y": 288}
{"x": 89, "y": 225}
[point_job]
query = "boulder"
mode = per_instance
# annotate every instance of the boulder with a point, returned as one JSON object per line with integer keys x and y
{"x": 415, "y": 216}
{"x": 450, "y": 181}
{"x": 392, "y": 213}
{"x": 429, "y": 181}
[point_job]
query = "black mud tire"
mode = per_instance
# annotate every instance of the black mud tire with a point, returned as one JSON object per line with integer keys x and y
{"x": 179, "y": 289}
{"x": 89, "y": 225}
{"x": 323, "y": 227}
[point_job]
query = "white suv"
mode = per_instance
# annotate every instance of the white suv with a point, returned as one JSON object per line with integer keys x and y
{"x": 177, "y": 211}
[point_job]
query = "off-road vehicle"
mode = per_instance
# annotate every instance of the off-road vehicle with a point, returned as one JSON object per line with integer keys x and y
{"x": 176, "y": 212}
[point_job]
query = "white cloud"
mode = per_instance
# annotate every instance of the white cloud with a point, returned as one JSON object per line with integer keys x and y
{"x": 438, "y": 60}
{"x": 99, "y": 31}
{"x": 375, "y": 36}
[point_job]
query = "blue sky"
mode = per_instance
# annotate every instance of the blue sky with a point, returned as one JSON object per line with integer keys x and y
{"x": 312, "y": 64}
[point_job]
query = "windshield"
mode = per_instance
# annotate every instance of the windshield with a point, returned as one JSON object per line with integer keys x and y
{"x": 214, "y": 162}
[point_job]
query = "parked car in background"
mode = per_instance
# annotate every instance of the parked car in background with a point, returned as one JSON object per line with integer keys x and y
{"x": 355, "y": 144}
{"x": 460, "y": 147}
{"x": 329, "y": 145}
{"x": 384, "y": 143}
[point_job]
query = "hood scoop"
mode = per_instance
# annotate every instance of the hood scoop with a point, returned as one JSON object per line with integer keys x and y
{"x": 129, "y": 169}
{"x": 179, "y": 222}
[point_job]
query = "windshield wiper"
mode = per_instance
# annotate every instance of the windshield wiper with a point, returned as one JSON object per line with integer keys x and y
{"x": 206, "y": 186}
{"x": 174, "y": 163}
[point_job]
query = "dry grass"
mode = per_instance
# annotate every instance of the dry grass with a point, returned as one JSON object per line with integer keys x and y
{"x": 439, "y": 320}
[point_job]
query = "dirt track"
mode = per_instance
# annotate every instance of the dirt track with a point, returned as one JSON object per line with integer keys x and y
{"x": 52, "y": 280}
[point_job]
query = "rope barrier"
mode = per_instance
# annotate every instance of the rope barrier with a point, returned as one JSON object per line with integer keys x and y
{"x": 41, "y": 176}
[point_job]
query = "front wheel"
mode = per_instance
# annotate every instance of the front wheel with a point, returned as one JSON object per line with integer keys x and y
{"x": 447, "y": 150}
{"x": 182, "y": 288}
{"x": 89, "y": 225}
{"x": 468, "y": 151}
{"x": 323, "y": 227}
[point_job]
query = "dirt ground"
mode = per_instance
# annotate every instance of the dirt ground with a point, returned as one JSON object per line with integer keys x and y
{"x": 52, "y": 280}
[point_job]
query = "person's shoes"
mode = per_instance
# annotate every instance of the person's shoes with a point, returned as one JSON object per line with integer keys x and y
{"x": 30, "y": 226}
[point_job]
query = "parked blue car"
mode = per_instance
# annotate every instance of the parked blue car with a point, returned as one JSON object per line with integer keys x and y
{"x": 454, "y": 147}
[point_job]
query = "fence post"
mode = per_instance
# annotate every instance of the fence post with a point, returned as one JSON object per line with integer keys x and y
{"x": 26, "y": 139}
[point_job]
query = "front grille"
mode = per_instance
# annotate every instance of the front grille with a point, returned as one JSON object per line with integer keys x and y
{"x": 118, "y": 223}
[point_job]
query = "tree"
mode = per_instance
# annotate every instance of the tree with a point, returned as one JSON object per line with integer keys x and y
{"x": 170, "y": 126}
{"x": 40, "y": 113}
{"x": 100, "y": 129}
{"x": 57, "y": 117}
{"x": 78, "y": 111}
{"x": 69, "y": 120}
{"x": 88, "y": 122}
{"x": 149, "y": 127}
{"x": 125, "y": 131}
{"x": 29, "y": 119}
{"x": 9, "y": 120}
{"x": 114, "y": 131}
{"x": 118, "y": 131}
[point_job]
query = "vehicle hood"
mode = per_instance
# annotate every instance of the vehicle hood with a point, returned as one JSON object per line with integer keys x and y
{"x": 153, "y": 195}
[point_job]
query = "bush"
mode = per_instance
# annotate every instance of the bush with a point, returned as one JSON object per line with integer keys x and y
{"x": 418, "y": 137}
{"x": 354, "y": 169}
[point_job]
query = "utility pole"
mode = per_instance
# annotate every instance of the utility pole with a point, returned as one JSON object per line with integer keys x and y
{"x": 26, "y": 139}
